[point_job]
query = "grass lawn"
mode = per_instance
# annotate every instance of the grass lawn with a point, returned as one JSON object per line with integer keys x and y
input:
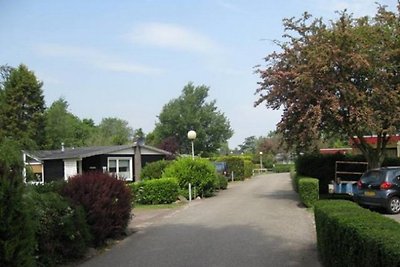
{"x": 139, "y": 207}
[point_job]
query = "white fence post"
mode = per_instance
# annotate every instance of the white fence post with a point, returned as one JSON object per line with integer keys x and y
{"x": 190, "y": 192}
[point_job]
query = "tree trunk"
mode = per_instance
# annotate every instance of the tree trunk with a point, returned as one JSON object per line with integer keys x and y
{"x": 374, "y": 155}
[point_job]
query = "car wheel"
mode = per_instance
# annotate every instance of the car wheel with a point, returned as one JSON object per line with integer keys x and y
{"x": 393, "y": 205}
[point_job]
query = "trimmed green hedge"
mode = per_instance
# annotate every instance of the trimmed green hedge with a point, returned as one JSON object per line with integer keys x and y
{"x": 308, "y": 191}
{"x": 248, "y": 168}
{"x": 221, "y": 182}
{"x": 349, "y": 235}
{"x": 158, "y": 191}
{"x": 278, "y": 168}
{"x": 235, "y": 165}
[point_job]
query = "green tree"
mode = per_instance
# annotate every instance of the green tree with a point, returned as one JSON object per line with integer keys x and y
{"x": 64, "y": 127}
{"x": 112, "y": 131}
{"x": 337, "y": 78}
{"x": 191, "y": 111}
{"x": 138, "y": 133}
{"x": 249, "y": 145}
{"x": 17, "y": 239}
{"x": 22, "y": 108}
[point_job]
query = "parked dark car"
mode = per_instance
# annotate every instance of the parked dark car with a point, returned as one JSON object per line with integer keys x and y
{"x": 380, "y": 188}
{"x": 221, "y": 168}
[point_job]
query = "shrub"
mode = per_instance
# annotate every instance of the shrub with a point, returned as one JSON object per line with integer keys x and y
{"x": 221, "y": 181}
{"x": 308, "y": 191}
{"x": 235, "y": 164}
{"x": 54, "y": 186}
{"x": 159, "y": 191}
{"x": 62, "y": 232}
{"x": 349, "y": 235}
{"x": 199, "y": 172}
{"x": 106, "y": 200}
{"x": 154, "y": 170}
{"x": 185, "y": 193}
{"x": 248, "y": 168}
{"x": 17, "y": 236}
{"x": 278, "y": 168}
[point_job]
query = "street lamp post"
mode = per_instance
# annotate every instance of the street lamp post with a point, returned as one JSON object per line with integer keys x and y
{"x": 192, "y": 135}
{"x": 261, "y": 166}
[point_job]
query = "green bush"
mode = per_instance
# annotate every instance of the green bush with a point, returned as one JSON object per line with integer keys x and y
{"x": 106, "y": 200}
{"x": 235, "y": 164}
{"x": 348, "y": 235}
{"x": 185, "y": 193}
{"x": 54, "y": 187}
{"x": 17, "y": 227}
{"x": 278, "y": 168}
{"x": 154, "y": 170}
{"x": 62, "y": 232}
{"x": 159, "y": 191}
{"x": 199, "y": 172}
{"x": 308, "y": 191}
{"x": 221, "y": 182}
{"x": 248, "y": 168}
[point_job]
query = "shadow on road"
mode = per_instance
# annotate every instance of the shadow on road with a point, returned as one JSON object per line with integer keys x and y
{"x": 196, "y": 245}
{"x": 280, "y": 194}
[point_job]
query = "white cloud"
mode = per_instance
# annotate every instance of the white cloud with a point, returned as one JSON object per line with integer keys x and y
{"x": 94, "y": 57}
{"x": 173, "y": 37}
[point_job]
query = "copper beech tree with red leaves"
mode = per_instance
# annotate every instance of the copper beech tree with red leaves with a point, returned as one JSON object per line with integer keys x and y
{"x": 341, "y": 78}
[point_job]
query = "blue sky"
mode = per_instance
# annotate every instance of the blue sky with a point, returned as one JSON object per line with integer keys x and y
{"x": 127, "y": 59}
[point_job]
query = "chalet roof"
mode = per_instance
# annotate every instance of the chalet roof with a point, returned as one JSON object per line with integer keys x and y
{"x": 84, "y": 152}
{"x": 373, "y": 140}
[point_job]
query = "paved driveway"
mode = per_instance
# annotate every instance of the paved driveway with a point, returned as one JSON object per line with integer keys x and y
{"x": 254, "y": 223}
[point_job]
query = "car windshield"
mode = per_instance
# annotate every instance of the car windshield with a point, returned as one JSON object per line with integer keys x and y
{"x": 373, "y": 177}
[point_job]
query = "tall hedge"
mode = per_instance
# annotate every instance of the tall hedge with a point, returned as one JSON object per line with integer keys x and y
{"x": 248, "y": 168}
{"x": 348, "y": 235}
{"x": 236, "y": 165}
{"x": 17, "y": 240}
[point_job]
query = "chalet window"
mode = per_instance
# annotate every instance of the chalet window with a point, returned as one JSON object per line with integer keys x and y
{"x": 121, "y": 167}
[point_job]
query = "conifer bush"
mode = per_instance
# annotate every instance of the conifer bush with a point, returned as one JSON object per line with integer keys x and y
{"x": 17, "y": 239}
{"x": 106, "y": 200}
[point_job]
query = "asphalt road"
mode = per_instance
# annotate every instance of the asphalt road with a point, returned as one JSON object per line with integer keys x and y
{"x": 258, "y": 222}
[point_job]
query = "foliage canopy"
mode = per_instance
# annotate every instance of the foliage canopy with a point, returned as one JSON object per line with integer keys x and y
{"x": 339, "y": 78}
{"x": 22, "y": 107}
{"x": 191, "y": 111}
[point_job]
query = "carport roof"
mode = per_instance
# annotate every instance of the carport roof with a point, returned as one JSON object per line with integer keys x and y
{"x": 84, "y": 152}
